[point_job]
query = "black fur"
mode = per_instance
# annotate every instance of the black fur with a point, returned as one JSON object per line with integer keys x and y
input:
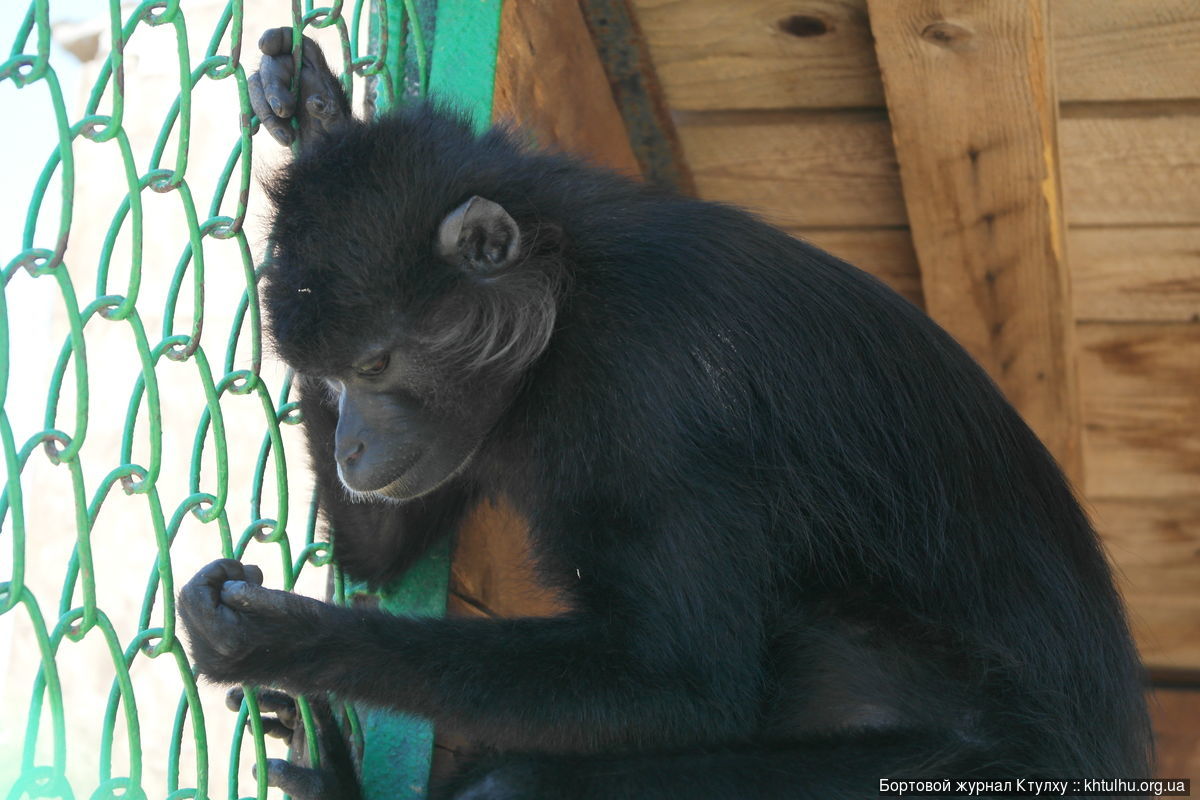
{"x": 806, "y": 541}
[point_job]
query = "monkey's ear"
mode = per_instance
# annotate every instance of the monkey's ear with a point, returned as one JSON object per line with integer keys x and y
{"x": 481, "y": 234}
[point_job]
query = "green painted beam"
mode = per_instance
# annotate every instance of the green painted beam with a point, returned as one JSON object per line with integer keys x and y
{"x": 464, "y": 56}
{"x": 460, "y": 70}
{"x": 398, "y": 748}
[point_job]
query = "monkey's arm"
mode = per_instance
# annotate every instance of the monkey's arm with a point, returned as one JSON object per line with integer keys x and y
{"x": 570, "y": 683}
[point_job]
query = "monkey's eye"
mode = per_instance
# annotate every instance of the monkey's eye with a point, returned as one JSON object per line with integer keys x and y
{"x": 375, "y": 366}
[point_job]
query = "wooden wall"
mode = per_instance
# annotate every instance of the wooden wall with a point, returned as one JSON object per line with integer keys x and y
{"x": 953, "y": 151}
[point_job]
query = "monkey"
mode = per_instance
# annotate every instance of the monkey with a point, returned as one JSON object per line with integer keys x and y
{"x": 802, "y": 540}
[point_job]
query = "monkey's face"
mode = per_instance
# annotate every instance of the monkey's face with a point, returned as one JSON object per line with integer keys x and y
{"x": 419, "y": 342}
{"x": 418, "y": 388}
{"x": 402, "y": 429}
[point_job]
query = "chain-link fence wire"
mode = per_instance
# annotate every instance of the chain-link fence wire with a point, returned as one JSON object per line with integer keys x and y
{"x": 143, "y": 431}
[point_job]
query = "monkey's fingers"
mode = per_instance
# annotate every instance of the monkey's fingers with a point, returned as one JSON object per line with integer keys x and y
{"x": 323, "y": 106}
{"x": 324, "y": 101}
{"x": 300, "y": 782}
{"x": 202, "y": 592}
{"x": 271, "y": 87}
{"x": 279, "y": 129}
{"x": 234, "y": 697}
{"x": 282, "y": 725}
{"x": 276, "y": 41}
{"x": 246, "y": 596}
{"x": 277, "y": 66}
{"x": 284, "y": 709}
{"x": 279, "y": 703}
{"x": 223, "y": 569}
{"x": 275, "y": 75}
{"x": 274, "y": 728}
{"x": 253, "y": 574}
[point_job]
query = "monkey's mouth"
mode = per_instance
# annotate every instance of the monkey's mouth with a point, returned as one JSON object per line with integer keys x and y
{"x": 382, "y": 481}
{"x": 405, "y": 487}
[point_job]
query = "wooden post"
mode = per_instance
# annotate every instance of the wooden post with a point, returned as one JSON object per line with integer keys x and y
{"x": 970, "y": 93}
{"x": 550, "y": 82}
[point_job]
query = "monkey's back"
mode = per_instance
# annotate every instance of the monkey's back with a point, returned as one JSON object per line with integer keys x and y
{"x": 857, "y": 448}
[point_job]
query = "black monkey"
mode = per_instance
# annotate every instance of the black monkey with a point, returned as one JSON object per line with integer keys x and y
{"x": 805, "y": 542}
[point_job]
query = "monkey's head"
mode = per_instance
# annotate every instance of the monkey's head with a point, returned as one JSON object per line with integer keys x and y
{"x": 400, "y": 278}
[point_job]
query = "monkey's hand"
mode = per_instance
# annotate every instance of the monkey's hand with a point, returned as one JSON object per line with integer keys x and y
{"x": 322, "y": 108}
{"x": 241, "y": 632}
{"x": 335, "y": 778}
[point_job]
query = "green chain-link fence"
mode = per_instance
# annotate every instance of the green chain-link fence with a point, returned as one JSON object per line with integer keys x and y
{"x": 143, "y": 430}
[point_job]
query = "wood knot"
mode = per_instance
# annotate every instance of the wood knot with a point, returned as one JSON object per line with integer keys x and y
{"x": 804, "y": 26}
{"x": 949, "y": 35}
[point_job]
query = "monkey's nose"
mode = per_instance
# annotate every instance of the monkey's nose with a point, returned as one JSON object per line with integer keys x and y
{"x": 348, "y": 453}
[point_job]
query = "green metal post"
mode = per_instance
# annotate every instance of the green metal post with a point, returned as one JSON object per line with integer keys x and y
{"x": 54, "y": 421}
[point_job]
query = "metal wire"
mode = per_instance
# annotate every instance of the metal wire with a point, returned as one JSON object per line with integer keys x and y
{"x": 224, "y": 367}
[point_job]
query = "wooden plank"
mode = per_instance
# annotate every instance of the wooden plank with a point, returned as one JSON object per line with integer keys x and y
{"x": 886, "y": 254}
{"x": 1135, "y": 274}
{"x": 550, "y": 81}
{"x": 840, "y": 169}
{"x": 1131, "y": 170}
{"x": 1176, "y": 714}
{"x": 1137, "y": 446}
{"x": 798, "y": 169}
{"x": 713, "y": 54}
{"x": 1167, "y": 630}
{"x": 807, "y": 169}
{"x": 1126, "y": 49}
{"x": 1141, "y": 393}
{"x": 974, "y": 116}
{"x": 1155, "y": 547}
